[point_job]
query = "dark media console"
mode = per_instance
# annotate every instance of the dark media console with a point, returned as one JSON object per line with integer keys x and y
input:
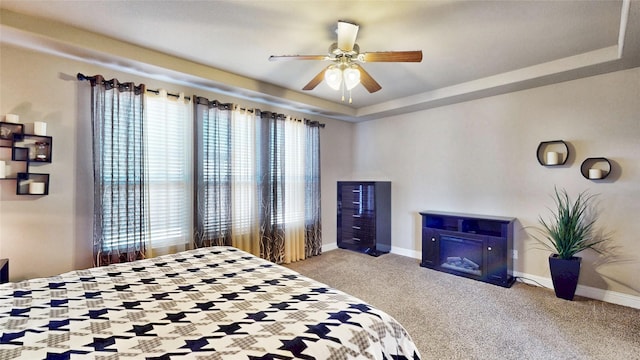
{"x": 474, "y": 246}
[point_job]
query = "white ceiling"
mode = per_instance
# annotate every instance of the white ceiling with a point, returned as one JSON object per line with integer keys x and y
{"x": 471, "y": 48}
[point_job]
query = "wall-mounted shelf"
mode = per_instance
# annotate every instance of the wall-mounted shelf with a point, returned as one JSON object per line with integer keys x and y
{"x": 38, "y": 148}
{"x": 18, "y": 152}
{"x": 595, "y": 168}
{"x": 552, "y": 153}
{"x": 32, "y": 184}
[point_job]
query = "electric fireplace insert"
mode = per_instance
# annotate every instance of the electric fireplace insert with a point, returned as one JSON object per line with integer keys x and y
{"x": 474, "y": 246}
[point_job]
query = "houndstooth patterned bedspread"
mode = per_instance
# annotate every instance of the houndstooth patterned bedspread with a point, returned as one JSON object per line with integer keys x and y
{"x": 209, "y": 303}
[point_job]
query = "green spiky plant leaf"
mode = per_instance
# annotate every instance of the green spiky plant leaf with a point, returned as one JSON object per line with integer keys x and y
{"x": 569, "y": 231}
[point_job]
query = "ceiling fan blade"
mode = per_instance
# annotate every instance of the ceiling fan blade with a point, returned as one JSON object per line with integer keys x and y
{"x": 347, "y": 33}
{"x": 367, "y": 81}
{"x": 298, "y": 57}
{"x": 315, "y": 81}
{"x": 393, "y": 56}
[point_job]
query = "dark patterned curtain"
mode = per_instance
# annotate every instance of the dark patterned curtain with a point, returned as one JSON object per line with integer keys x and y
{"x": 271, "y": 186}
{"x": 313, "y": 223}
{"x": 212, "y": 172}
{"x": 258, "y": 182}
{"x": 120, "y": 199}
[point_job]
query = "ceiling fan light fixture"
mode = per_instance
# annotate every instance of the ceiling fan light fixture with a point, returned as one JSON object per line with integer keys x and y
{"x": 351, "y": 77}
{"x": 347, "y": 33}
{"x": 344, "y": 74}
{"x": 333, "y": 77}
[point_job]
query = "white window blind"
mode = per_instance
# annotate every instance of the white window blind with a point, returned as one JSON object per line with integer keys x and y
{"x": 294, "y": 172}
{"x": 244, "y": 196}
{"x": 169, "y": 164}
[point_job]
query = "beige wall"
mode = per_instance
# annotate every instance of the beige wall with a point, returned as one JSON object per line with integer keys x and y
{"x": 476, "y": 157}
{"x": 480, "y": 157}
{"x": 47, "y": 235}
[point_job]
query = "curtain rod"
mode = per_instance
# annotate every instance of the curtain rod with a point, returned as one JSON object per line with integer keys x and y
{"x": 83, "y": 77}
{"x": 201, "y": 100}
{"x": 168, "y": 94}
{"x": 198, "y": 99}
{"x": 306, "y": 121}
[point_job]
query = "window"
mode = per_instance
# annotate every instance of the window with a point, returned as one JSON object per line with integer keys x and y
{"x": 214, "y": 173}
{"x": 243, "y": 171}
{"x": 118, "y": 155}
{"x": 169, "y": 162}
{"x": 167, "y": 148}
{"x": 256, "y": 179}
{"x": 253, "y": 181}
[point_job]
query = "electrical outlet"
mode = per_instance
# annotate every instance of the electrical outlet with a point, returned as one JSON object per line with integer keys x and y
{"x": 514, "y": 254}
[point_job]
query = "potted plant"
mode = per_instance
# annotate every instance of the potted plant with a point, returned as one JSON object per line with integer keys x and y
{"x": 567, "y": 232}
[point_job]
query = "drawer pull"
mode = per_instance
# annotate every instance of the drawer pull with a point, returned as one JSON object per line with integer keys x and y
{"x": 356, "y": 215}
{"x": 355, "y": 191}
{"x": 355, "y": 202}
{"x": 356, "y": 239}
{"x": 355, "y": 227}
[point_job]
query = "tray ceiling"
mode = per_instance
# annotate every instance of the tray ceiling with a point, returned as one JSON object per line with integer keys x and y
{"x": 471, "y": 48}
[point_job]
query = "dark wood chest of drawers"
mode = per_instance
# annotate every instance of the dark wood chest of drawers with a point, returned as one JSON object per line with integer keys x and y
{"x": 364, "y": 216}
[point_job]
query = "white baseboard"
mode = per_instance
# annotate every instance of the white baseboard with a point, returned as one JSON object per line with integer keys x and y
{"x": 406, "y": 252}
{"x": 613, "y": 297}
{"x": 329, "y": 247}
{"x": 609, "y": 296}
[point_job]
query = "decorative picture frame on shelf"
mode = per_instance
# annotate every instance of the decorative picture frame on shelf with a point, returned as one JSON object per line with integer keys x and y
{"x": 11, "y": 132}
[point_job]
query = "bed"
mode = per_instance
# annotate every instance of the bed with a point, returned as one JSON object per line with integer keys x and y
{"x": 208, "y": 303}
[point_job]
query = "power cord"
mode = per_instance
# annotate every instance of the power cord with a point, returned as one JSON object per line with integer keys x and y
{"x": 528, "y": 281}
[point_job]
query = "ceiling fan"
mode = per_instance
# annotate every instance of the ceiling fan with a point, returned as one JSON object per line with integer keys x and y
{"x": 345, "y": 71}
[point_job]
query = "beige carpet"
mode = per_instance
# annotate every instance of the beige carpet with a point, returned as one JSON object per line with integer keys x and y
{"x": 451, "y": 317}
